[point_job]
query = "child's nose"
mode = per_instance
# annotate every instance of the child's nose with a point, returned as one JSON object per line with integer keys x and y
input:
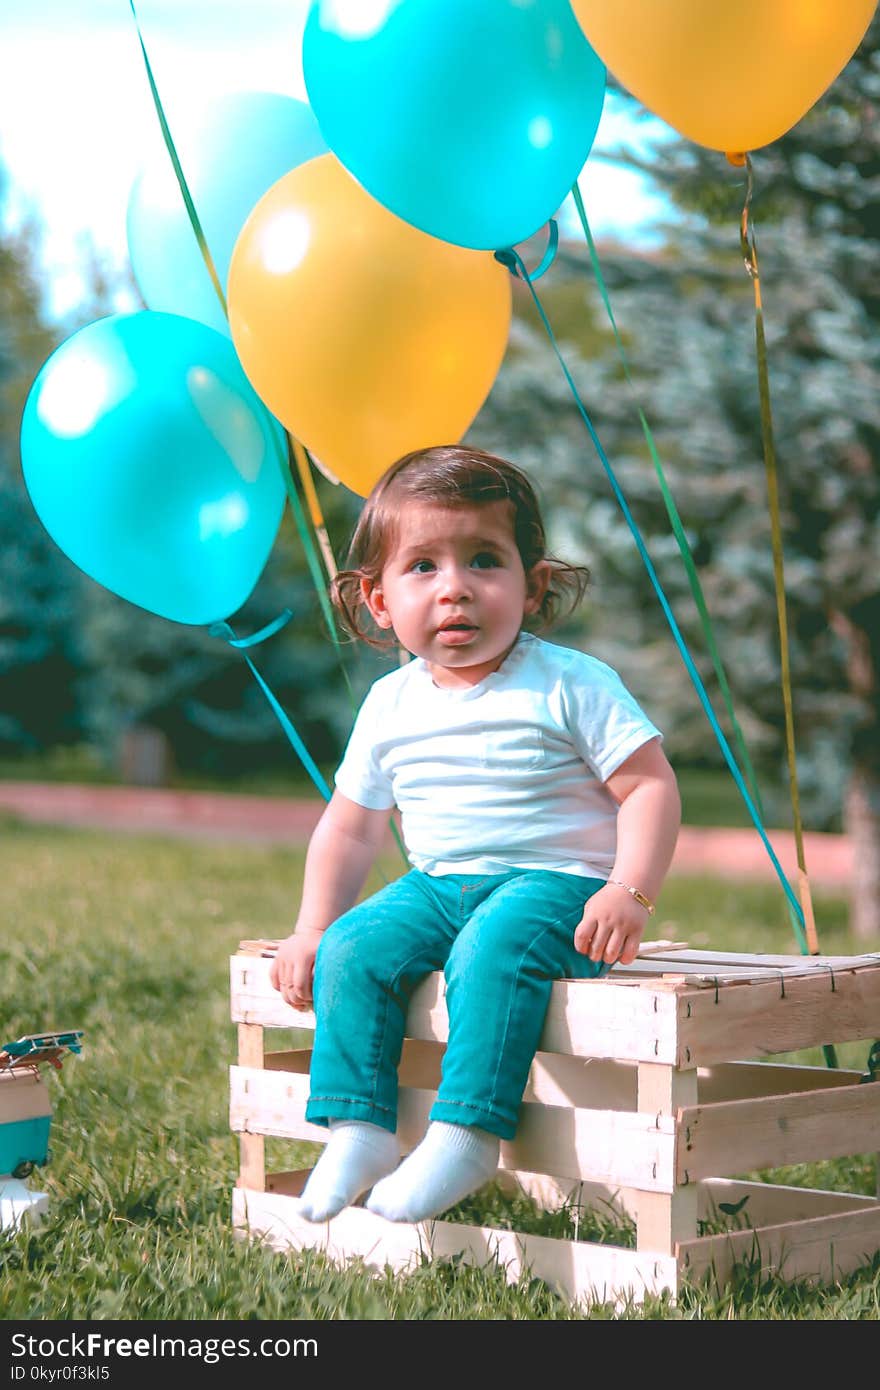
{"x": 455, "y": 583}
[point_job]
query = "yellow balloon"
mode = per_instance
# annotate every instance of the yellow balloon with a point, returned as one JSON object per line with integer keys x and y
{"x": 365, "y": 337}
{"x": 733, "y": 76}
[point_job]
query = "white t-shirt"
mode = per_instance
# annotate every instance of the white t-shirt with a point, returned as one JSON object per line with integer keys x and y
{"x": 504, "y": 774}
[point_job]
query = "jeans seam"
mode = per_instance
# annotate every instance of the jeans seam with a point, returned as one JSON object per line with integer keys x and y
{"x": 392, "y": 985}
{"x": 515, "y": 978}
{"x": 475, "y": 1105}
{"x": 352, "y": 1100}
{"x": 383, "y": 1030}
{"x": 558, "y": 922}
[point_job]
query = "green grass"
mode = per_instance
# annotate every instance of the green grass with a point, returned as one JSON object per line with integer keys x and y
{"x": 85, "y": 764}
{"x": 709, "y": 797}
{"x": 129, "y": 939}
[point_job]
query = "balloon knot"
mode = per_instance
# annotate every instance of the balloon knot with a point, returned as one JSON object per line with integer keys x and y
{"x": 737, "y": 158}
{"x": 507, "y": 258}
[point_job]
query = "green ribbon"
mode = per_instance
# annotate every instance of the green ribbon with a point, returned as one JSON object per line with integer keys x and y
{"x": 283, "y": 458}
{"x": 512, "y": 260}
{"x": 308, "y": 544}
{"x": 674, "y": 517}
{"x": 750, "y": 258}
{"x": 184, "y": 188}
{"x": 224, "y": 631}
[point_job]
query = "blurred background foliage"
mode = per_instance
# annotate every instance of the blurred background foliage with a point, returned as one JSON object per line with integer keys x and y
{"x": 80, "y": 668}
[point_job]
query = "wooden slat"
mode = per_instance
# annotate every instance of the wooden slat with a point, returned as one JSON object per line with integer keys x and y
{"x": 251, "y": 1147}
{"x": 736, "y": 1136}
{"x": 252, "y": 1161}
{"x": 616, "y": 1147}
{"x": 770, "y": 1204}
{"x": 717, "y": 960}
{"x": 712, "y": 970}
{"x": 588, "y": 1018}
{"x": 748, "y": 1080}
{"x": 824, "y": 1248}
{"x": 767, "y": 1204}
{"x": 552, "y": 1193}
{"x": 554, "y": 1079}
{"x": 250, "y": 1045}
{"x": 664, "y": 1219}
{"x": 671, "y": 957}
{"x": 758, "y": 1020}
{"x": 582, "y": 1271}
{"x": 602, "y": 1084}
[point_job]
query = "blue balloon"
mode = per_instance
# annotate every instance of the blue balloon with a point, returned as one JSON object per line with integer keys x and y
{"x": 153, "y": 464}
{"x": 230, "y": 155}
{"x": 470, "y": 119}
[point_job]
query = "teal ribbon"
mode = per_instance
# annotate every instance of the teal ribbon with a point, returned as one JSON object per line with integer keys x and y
{"x": 178, "y": 170}
{"x": 224, "y": 631}
{"x": 672, "y": 512}
{"x": 548, "y": 257}
{"x": 514, "y": 263}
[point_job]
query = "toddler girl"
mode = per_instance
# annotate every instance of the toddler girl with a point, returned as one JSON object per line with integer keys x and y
{"x": 537, "y": 808}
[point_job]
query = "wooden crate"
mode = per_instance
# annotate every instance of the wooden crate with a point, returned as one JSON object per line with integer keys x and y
{"x": 636, "y": 1098}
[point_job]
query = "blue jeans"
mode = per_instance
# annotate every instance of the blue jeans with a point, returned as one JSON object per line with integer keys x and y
{"x": 501, "y": 941}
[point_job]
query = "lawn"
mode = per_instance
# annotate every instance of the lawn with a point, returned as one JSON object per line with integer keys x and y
{"x": 129, "y": 938}
{"x": 709, "y": 796}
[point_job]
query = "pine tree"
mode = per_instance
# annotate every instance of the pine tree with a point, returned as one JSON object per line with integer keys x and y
{"x": 818, "y": 219}
{"x": 687, "y": 314}
{"x": 38, "y": 588}
{"x": 80, "y": 664}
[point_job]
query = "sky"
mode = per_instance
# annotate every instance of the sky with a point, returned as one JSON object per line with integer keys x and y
{"x": 77, "y": 121}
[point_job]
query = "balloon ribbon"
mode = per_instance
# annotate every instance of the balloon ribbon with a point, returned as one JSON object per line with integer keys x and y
{"x": 750, "y": 257}
{"x": 684, "y": 548}
{"x": 806, "y": 933}
{"x": 243, "y": 643}
{"x": 673, "y": 514}
{"x": 292, "y": 446}
{"x": 513, "y": 261}
{"x": 184, "y": 188}
{"x": 284, "y": 459}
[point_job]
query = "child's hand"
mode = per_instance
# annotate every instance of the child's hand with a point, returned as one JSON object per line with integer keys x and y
{"x": 293, "y": 968}
{"x": 611, "y": 927}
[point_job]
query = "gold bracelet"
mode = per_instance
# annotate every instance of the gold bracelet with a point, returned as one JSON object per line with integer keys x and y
{"x": 634, "y": 892}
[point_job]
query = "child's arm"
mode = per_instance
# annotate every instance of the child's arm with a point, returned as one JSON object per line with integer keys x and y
{"x": 341, "y": 851}
{"x": 647, "y": 827}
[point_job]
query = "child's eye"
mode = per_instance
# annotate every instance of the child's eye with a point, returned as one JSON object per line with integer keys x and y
{"x": 485, "y": 560}
{"x": 422, "y": 566}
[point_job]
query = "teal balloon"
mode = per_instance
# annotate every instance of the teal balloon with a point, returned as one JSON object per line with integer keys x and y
{"x": 470, "y": 119}
{"x": 154, "y": 466}
{"x": 231, "y": 154}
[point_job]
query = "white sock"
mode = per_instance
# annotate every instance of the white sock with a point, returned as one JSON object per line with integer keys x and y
{"x": 451, "y": 1162}
{"x": 355, "y": 1155}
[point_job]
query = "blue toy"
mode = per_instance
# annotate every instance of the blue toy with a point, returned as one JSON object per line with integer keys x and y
{"x": 25, "y": 1117}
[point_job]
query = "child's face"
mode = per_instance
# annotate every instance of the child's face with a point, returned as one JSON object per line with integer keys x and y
{"x": 454, "y": 590}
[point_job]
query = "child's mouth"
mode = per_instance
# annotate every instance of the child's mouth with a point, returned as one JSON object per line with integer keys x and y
{"x": 456, "y": 632}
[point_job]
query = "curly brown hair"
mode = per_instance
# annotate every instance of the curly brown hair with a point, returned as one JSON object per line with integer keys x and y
{"x": 449, "y": 475}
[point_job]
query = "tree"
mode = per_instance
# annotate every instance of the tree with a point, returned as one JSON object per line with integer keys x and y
{"x": 818, "y": 225}
{"x": 687, "y": 312}
{"x": 80, "y": 664}
{"x": 199, "y": 692}
{"x": 38, "y": 589}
